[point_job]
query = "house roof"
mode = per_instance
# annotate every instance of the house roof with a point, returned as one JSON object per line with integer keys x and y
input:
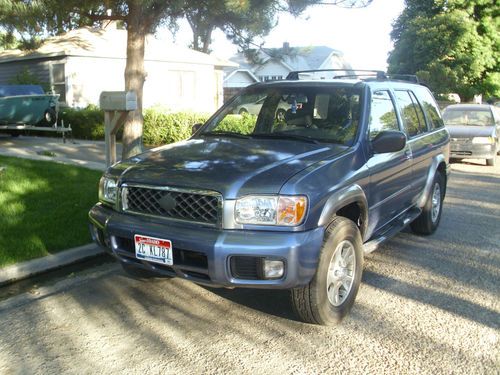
{"x": 298, "y": 58}
{"x": 110, "y": 43}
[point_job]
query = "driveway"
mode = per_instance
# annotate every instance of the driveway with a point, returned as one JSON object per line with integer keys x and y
{"x": 427, "y": 305}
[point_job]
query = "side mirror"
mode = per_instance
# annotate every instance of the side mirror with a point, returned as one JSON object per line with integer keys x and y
{"x": 388, "y": 141}
{"x": 195, "y": 128}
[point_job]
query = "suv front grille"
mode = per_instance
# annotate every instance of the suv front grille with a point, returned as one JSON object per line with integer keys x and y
{"x": 200, "y": 207}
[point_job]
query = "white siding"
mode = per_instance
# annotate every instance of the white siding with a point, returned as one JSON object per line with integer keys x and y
{"x": 87, "y": 77}
{"x": 272, "y": 68}
{"x": 175, "y": 86}
{"x": 239, "y": 79}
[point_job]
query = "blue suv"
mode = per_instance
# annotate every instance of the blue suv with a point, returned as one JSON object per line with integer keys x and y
{"x": 290, "y": 197}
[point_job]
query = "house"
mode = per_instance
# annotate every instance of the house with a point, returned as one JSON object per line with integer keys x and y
{"x": 268, "y": 64}
{"x": 82, "y": 63}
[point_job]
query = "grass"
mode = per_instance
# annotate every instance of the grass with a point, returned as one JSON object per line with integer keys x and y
{"x": 43, "y": 208}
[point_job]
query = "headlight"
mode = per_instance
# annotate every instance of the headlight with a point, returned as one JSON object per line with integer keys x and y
{"x": 108, "y": 190}
{"x": 483, "y": 140}
{"x": 271, "y": 210}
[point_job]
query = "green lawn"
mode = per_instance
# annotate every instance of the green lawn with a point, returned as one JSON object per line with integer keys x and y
{"x": 43, "y": 208}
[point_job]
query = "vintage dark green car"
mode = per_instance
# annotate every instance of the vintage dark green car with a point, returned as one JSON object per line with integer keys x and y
{"x": 27, "y": 105}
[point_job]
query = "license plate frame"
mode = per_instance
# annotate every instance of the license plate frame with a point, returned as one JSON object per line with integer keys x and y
{"x": 153, "y": 249}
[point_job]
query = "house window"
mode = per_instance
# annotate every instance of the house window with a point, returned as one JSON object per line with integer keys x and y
{"x": 270, "y": 78}
{"x": 58, "y": 78}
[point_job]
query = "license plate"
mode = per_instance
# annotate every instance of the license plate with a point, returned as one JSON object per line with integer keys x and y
{"x": 157, "y": 250}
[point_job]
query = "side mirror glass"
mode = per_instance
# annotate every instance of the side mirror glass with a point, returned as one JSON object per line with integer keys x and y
{"x": 388, "y": 141}
{"x": 195, "y": 128}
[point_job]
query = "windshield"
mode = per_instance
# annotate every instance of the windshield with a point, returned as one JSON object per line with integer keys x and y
{"x": 472, "y": 117}
{"x": 315, "y": 114}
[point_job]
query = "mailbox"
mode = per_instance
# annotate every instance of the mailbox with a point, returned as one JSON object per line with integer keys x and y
{"x": 118, "y": 101}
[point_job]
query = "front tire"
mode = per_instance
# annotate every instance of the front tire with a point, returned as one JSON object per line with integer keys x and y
{"x": 429, "y": 219}
{"x": 329, "y": 297}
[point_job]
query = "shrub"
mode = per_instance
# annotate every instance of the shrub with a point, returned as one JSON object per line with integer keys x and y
{"x": 87, "y": 123}
{"x": 243, "y": 124}
{"x": 162, "y": 128}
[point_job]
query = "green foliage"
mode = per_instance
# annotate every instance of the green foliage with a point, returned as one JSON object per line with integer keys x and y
{"x": 162, "y": 128}
{"x": 451, "y": 45}
{"x": 242, "y": 124}
{"x": 32, "y": 225}
{"x": 87, "y": 123}
{"x": 159, "y": 127}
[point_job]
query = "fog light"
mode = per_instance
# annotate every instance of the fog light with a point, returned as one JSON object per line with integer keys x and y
{"x": 273, "y": 269}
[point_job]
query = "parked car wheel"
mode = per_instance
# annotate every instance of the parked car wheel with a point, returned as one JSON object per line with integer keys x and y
{"x": 139, "y": 273}
{"x": 428, "y": 220}
{"x": 491, "y": 162}
{"x": 331, "y": 293}
{"x": 50, "y": 117}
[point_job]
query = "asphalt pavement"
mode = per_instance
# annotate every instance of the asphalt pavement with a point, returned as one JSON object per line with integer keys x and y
{"x": 427, "y": 305}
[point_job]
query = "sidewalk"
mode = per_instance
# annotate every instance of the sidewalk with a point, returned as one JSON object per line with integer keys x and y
{"x": 34, "y": 267}
{"x": 88, "y": 154}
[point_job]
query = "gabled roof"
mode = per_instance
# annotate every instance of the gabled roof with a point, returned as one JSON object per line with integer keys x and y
{"x": 297, "y": 58}
{"x": 110, "y": 43}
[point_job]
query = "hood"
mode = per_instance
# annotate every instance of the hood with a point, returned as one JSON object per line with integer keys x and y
{"x": 462, "y": 131}
{"x": 233, "y": 167}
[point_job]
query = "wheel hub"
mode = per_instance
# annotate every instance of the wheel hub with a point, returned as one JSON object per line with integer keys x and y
{"x": 341, "y": 272}
{"x": 436, "y": 202}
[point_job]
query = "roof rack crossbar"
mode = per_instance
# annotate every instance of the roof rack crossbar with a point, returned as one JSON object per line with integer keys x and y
{"x": 294, "y": 75}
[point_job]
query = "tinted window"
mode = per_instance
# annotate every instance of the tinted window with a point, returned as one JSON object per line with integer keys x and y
{"x": 329, "y": 114}
{"x": 413, "y": 118}
{"x": 383, "y": 114}
{"x": 430, "y": 108}
{"x": 468, "y": 116}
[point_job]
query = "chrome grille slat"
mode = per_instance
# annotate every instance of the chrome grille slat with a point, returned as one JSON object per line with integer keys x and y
{"x": 195, "y": 206}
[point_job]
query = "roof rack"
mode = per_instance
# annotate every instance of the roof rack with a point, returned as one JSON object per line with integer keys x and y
{"x": 404, "y": 77}
{"x": 379, "y": 74}
{"x": 359, "y": 73}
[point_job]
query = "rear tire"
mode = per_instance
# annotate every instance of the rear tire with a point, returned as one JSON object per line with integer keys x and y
{"x": 330, "y": 295}
{"x": 491, "y": 162}
{"x": 429, "y": 219}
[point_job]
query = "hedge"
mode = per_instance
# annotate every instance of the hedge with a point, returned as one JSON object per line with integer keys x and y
{"x": 160, "y": 127}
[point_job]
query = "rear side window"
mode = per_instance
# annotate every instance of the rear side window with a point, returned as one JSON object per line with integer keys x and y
{"x": 383, "y": 114}
{"x": 430, "y": 108}
{"x": 411, "y": 113}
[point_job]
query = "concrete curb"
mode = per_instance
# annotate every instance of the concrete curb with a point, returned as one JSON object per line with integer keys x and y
{"x": 34, "y": 267}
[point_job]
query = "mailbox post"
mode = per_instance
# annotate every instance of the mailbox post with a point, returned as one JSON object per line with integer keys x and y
{"x": 116, "y": 106}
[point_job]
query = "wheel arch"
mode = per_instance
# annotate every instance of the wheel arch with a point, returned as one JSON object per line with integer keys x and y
{"x": 438, "y": 165}
{"x": 350, "y": 203}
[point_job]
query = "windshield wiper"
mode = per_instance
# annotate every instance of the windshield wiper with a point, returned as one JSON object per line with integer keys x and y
{"x": 227, "y": 134}
{"x": 281, "y": 135}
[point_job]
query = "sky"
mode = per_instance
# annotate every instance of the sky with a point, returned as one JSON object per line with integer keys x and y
{"x": 361, "y": 34}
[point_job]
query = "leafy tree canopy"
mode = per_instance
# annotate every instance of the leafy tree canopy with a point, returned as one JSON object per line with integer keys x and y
{"x": 453, "y": 45}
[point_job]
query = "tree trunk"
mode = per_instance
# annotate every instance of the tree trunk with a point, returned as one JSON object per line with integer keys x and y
{"x": 135, "y": 75}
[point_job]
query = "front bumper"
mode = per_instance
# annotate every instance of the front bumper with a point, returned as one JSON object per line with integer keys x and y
{"x": 461, "y": 150}
{"x": 203, "y": 254}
